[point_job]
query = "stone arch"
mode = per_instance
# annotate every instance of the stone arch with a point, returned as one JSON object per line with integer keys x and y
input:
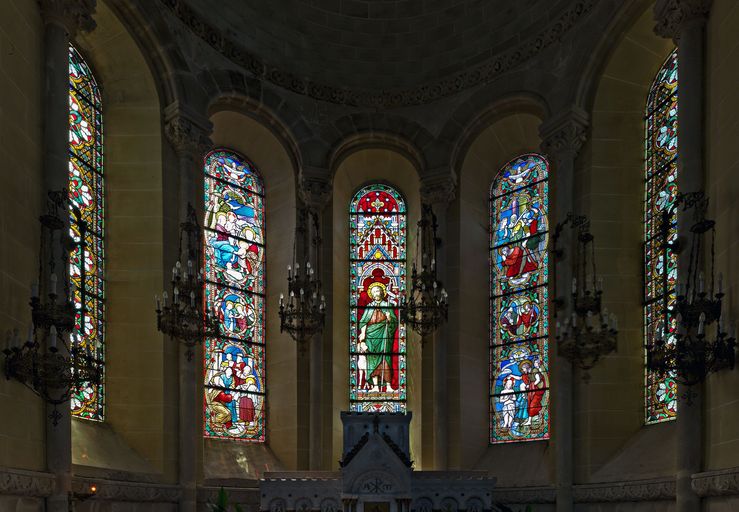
{"x": 303, "y": 505}
{"x": 474, "y": 504}
{"x": 375, "y": 140}
{"x": 375, "y": 482}
{"x": 449, "y": 504}
{"x": 277, "y": 505}
{"x": 329, "y": 505}
{"x": 422, "y": 505}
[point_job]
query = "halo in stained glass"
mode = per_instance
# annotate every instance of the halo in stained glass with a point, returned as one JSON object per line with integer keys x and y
{"x": 660, "y": 269}
{"x": 235, "y": 386}
{"x": 519, "y": 309}
{"x": 377, "y": 338}
{"x": 87, "y": 192}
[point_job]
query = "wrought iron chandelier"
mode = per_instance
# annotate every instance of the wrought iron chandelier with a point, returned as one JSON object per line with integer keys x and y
{"x": 303, "y": 312}
{"x": 589, "y": 332}
{"x": 53, "y": 368}
{"x": 185, "y": 318}
{"x": 427, "y": 305}
{"x": 692, "y": 340}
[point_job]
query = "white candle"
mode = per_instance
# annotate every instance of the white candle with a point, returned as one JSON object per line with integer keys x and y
{"x": 192, "y": 299}
{"x": 52, "y": 337}
{"x": 30, "y": 334}
{"x": 53, "y": 284}
{"x": 701, "y": 323}
{"x": 701, "y": 282}
{"x": 159, "y": 305}
{"x": 165, "y": 296}
{"x": 34, "y": 289}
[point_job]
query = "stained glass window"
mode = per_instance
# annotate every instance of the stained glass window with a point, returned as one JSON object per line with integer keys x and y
{"x": 86, "y": 192}
{"x": 660, "y": 192}
{"x": 377, "y": 245}
{"x": 519, "y": 317}
{"x": 235, "y": 287}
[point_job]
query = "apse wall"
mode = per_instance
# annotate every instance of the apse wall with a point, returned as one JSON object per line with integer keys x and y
{"x": 21, "y": 54}
{"x": 358, "y": 169}
{"x": 237, "y": 131}
{"x": 509, "y": 135}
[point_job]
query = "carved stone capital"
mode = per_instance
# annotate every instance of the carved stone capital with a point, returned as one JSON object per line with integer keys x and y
{"x": 315, "y": 187}
{"x": 671, "y": 16}
{"x": 438, "y": 188}
{"x": 188, "y": 133}
{"x": 564, "y": 135}
{"x": 73, "y": 15}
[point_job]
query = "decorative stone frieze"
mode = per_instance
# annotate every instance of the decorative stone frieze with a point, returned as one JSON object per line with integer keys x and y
{"x": 481, "y": 74}
{"x": 141, "y": 492}
{"x": 672, "y": 15}
{"x": 717, "y": 483}
{"x": 524, "y": 495}
{"x": 639, "y": 490}
{"x": 74, "y": 15}
{"x": 564, "y": 135}
{"x": 188, "y": 133}
{"x": 19, "y": 482}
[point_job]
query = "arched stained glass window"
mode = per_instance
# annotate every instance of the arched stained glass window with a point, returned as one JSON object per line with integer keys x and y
{"x": 86, "y": 192}
{"x": 377, "y": 245}
{"x": 519, "y": 316}
{"x": 660, "y": 192}
{"x": 235, "y": 286}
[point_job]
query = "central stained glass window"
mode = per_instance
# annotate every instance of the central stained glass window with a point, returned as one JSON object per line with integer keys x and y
{"x": 519, "y": 316}
{"x": 660, "y": 192}
{"x": 235, "y": 286}
{"x": 377, "y": 248}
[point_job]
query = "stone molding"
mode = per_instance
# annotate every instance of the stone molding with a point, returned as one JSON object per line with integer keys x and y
{"x": 638, "y": 490}
{"x": 716, "y": 483}
{"x": 672, "y": 15}
{"x": 427, "y": 93}
{"x": 509, "y": 495}
{"x": 73, "y": 15}
{"x": 19, "y": 482}
{"x": 188, "y": 133}
{"x": 564, "y": 135}
{"x": 116, "y": 490}
{"x": 315, "y": 187}
{"x": 439, "y": 188}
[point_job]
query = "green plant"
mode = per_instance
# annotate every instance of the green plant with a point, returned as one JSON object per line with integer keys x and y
{"x": 222, "y": 505}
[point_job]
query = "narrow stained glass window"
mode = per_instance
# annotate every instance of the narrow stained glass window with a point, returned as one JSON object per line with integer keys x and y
{"x": 377, "y": 245}
{"x": 519, "y": 317}
{"x": 86, "y": 192}
{"x": 235, "y": 286}
{"x": 660, "y": 192}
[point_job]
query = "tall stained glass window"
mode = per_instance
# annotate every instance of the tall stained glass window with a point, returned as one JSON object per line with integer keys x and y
{"x": 235, "y": 287}
{"x": 519, "y": 318}
{"x": 660, "y": 192}
{"x": 377, "y": 245}
{"x": 86, "y": 192}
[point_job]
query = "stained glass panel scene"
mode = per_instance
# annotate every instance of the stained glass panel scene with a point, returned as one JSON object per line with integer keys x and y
{"x": 86, "y": 193}
{"x": 660, "y": 269}
{"x": 519, "y": 317}
{"x": 235, "y": 284}
{"x": 377, "y": 338}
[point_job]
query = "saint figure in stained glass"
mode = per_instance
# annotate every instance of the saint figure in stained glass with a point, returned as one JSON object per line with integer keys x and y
{"x": 86, "y": 196}
{"x": 519, "y": 358}
{"x": 377, "y": 225}
{"x": 660, "y": 262}
{"x": 235, "y": 282}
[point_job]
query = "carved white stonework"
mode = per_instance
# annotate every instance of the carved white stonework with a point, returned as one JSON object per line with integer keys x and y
{"x": 115, "y": 490}
{"x": 524, "y": 495}
{"x": 672, "y": 15}
{"x": 19, "y": 482}
{"x": 717, "y": 483}
{"x": 639, "y": 490}
{"x": 188, "y": 132}
{"x": 73, "y": 15}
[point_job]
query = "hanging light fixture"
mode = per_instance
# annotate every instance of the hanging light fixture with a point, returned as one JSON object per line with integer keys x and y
{"x": 692, "y": 341}
{"x": 303, "y": 311}
{"x": 589, "y": 332}
{"x": 427, "y": 305}
{"x": 52, "y": 367}
{"x": 185, "y": 317}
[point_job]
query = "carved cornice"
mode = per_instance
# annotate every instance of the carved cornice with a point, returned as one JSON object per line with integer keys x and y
{"x": 640, "y": 490}
{"x": 432, "y": 91}
{"x": 438, "y": 188}
{"x": 73, "y": 15}
{"x": 564, "y": 135}
{"x": 524, "y": 495}
{"x": 26, "y": 483}
{"x": 188, "y": 133}
{"x": 672, "y": 15}
{"x": 112, "y": 490}
{"x": 717, "y": 483}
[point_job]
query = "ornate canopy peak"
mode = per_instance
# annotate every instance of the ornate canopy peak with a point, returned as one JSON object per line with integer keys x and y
{"x": 188, "y": 132}
{"x": 563, "y": 135}
{"x": 438, "y": 187}
{"x": 672, "y": 15}
{"x": 73, "y": 15}
{"x": 315, "y": 187}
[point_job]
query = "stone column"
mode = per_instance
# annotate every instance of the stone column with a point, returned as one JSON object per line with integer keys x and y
{"x": 62, "y": 20}
{"x": 188, "y": 134}
{"x": 315, "y": 193}
{"x": 684, "y": 22}
{"x": 562, "y": 137}
{"x": 438, "y": 191}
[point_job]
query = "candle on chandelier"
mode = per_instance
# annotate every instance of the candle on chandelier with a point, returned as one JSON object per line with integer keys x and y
{"x": 156, "y": 298}
{"x": 701, "y": 282}
{"x": 192, "y": 298}
{"x": 53, "y": 284}
{"x": 176, "y": 295}
{"x": 701, "y": 323}
{"x": 289, "y": 271}
{"x": 189, "y": 267}
{"x": 34, "y": 289}
{"x": 52, "y": 337}
{"x": 165, "y": 296}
